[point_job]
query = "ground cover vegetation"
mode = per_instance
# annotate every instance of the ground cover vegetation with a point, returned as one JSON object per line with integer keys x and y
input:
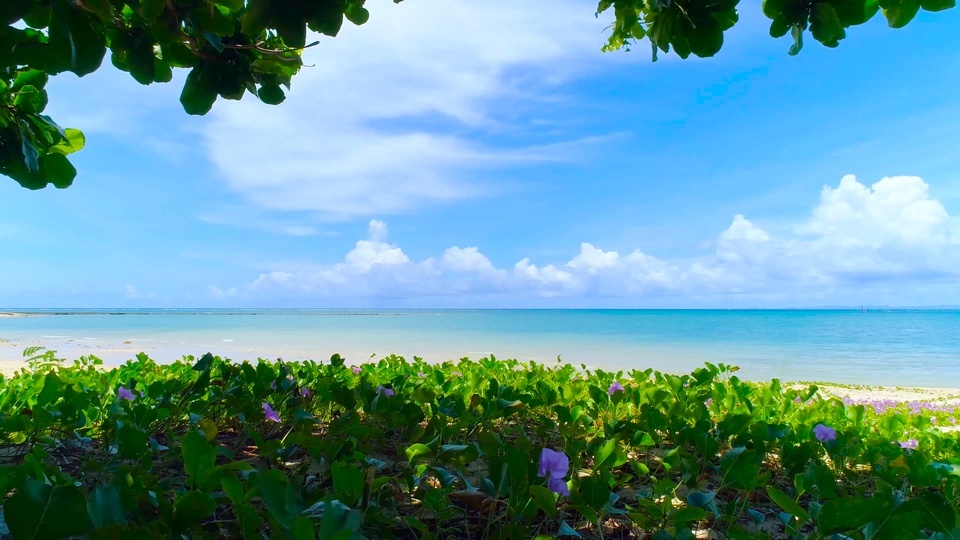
{"x": 234, "y": 47}
{"x": 207, "y": 448}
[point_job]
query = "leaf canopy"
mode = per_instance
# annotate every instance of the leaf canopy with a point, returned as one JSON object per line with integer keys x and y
{"x": 235, "y": 47}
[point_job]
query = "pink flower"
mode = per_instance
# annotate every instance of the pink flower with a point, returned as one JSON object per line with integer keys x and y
{"x": 824, "y": 433}
{"x": 269, "y": 413}
{"x": 708, "y": 402}
{"x": 388, "y": 392}
{"x": 614, "y": 388}
{"x": 123, "y": 393}
{"x": 554, "y": 466}
{"x": 356, "y": 370}
{"x": 421, "y": 374}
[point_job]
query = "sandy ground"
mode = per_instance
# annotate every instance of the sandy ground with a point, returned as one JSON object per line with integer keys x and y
{"x": 881, "y": 393}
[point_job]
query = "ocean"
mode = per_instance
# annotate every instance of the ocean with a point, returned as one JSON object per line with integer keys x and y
{"x": 877, "y": 347}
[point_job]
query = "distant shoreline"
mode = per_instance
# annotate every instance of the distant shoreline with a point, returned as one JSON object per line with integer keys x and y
{"x": 381, "y": 312}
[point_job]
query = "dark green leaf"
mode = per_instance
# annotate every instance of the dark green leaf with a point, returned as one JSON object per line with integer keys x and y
{"x": 786, "y": 502}
{"x": 105, "y": 507}
{"x": 937, "y": 5}
{"x": 848, "y": 513}
{"x": 199, "y": 458}
{"x": 38, "y": 510}
{"x": 279, "y": 498}
{"x": 200, "y": 90}
{"x": 191, "y": 508}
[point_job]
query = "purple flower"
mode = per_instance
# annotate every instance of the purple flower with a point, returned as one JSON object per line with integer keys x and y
{"x": 356, "y": 370}
{"x": 421, "y": 374}
{"x": 824, "y": 433}
{"x": 304, "y": 391}
{"x": 123, "y": 393}
{"x": 554, "y": 466}
{"x": 273, "y": 385}
{"x": 614, "y": 388}
{"x": 933, "y": 419}
{"x": 383, "y": 390}
{"x": 910, "y": 444}
{"x": 269, "y": 413}
{"x": 708, "y": 402}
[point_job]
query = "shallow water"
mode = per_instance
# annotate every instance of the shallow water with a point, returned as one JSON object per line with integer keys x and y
{"x": 890, "y": 347}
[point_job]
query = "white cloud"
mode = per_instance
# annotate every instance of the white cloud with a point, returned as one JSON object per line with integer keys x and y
{"x": 858, "y": 241}
{"x": 383, "y": 119}
{"x": 375, "y": 252}
{"x": 467, "y": 260}
{"x": 131, "y": 293}
{"x": 592, "y": 259}
{"x": 217, "y": 292}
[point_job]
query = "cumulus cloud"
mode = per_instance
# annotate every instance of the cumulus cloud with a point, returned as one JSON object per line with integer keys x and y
{"x": 890, "y": 234}
{"x": 384, "y": 118}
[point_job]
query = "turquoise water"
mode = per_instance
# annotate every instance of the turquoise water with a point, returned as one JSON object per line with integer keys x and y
{"x": 891, "y": 347}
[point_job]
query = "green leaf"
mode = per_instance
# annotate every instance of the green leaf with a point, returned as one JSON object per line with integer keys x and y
{"x": 38, "y": 510}
{"x": 544, "y": 499}
{"x": 688, "y": 514}
{"x": 901, "y": 12}
{"x": 102, "y": 8}
{"x": 77, "y": 47}
{"x": 303, "y": 529}
{"x": 50, "y": 391}
{"x": 131, "y": 442}
{"x": 347, "y": 482}
{"x": 200, "y": 90}
{"x": 199, "y": 458}
{"x": 595, "y": 491}
{"x": 356, "y": 13}
{"x": 937, "y": 5}
{"x": 74, "y": 141}
{"x": 787, "y": 503}
{"x": 935, "y": 511}
{"x": 848, "y": 513}
{"x": 31, "y": 156}
{"x": 151, "y": 9}
{"x": 191, "y": 508}
{"x": 105, "y": 507}
{"x": 825, "y": 24}
{"x": 271, "y": 94}
{"x": 605, "y": 451}
{"x": 30, "y": 77}
{"x": 797, "y": 34}
{"x": 279, "y": 498}
{"x": 417, "y": 451}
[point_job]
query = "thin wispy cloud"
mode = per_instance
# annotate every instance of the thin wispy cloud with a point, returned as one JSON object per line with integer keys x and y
{"x": 388, "y": 116}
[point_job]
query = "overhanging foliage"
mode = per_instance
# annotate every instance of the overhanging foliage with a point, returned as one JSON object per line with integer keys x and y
{"x": 232, "y": 47}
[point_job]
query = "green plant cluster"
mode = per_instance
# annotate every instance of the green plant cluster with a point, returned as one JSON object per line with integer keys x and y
{"x": 697, "y": 26}
{"x": 396, "y": 449}
{"x": 231, "y": 47}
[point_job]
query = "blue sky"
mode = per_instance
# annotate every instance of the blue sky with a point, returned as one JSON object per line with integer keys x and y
{"x": 504, "y": 161}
